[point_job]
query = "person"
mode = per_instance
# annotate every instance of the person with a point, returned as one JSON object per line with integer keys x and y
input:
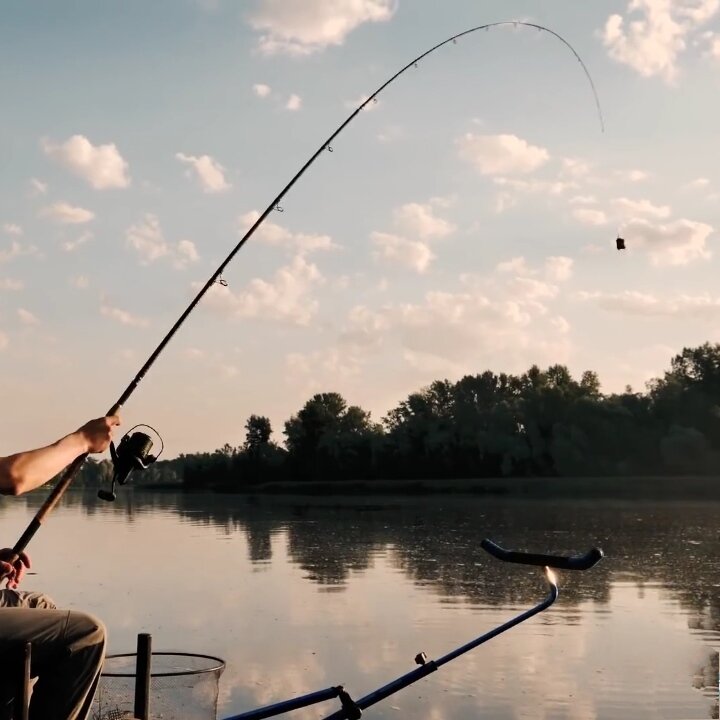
{"x": 68, "y": 647}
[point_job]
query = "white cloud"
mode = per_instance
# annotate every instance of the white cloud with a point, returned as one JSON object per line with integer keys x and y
{"x": 629, "y": 207}
{"x": 677, "y": 243}
{"x": 274, "y": 234}
{"x": 15, "y": 250}
{"x": 122, "y": 316}
{"x": 652, "y": 40}
{"x": 12, "y": 229}
{"x": 589, "y": 216}
{"x": 102, "y": 166}
{"x": 699, "y": 183}
{"x": 633, "y": 176}
{"x": 186, "y": 253}
{"x": 501, "y": 154}
{"x": 66, "y": 214}
{"x": 353, "y": 104}
{"x": 26, "y": 317}
{"x": 301, "y": 27}
{"x": 416, "y": 224}
{"x": 11, "y": 284}
{"x": 148, "y": 241}
{"x": 261, "y": 90}
{"x": 575, "y": 167}
{"x": 286, "y": 298}
{"x": 558, "y": 268}
{"x": 456, "y": 332}
{"x": 631, "y": 302}
{"x": 208, "y": 171}
{"x": 420, "y": 221}
{"x": 413, "y": 254}
{"x": 294, "y": 102}
{"x": 38, "y": 187}
{"x": 80, "y": 282}
{"x": 72, "y": 245}
{"x": 542, "y": 187}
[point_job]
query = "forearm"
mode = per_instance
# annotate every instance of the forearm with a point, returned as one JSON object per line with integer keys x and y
{"x": 26, "y": 471}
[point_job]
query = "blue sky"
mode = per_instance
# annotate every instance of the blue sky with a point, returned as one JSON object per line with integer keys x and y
{"x": 467, "y": 221}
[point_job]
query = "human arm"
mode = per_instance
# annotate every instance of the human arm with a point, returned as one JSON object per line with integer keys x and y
{"x": 25, "y": 471}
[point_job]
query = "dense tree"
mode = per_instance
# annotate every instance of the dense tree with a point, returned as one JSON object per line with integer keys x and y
{"x": 543, "y": 422}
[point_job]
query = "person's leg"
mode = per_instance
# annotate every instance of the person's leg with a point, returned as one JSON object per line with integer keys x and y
{"x": 67, "y": 650}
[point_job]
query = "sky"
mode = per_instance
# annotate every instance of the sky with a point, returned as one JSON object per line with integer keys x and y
{"x": 465, "y": 221}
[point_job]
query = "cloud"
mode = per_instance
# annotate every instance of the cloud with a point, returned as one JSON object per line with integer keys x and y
{"x": 543, "y": 187}
{"x": 37, "y": 187}
{"x": 3, "y": 341}
{"x": 353, "y": 104}
{"x": 102, "y": 166}
{"x": 556, "y": 268}
{"x": 504, "y": 319}
{"x": 148, "y": 241}
{"x": 677, "y": 243}
{"x": 208, "y": 171}
{"x": 11, "y": 284}
{"x": 654, "y": 34}
{"x": 699, "y": 183}
{"x": 412, "y": 254}
{"x": 261, "y": 90}
{"x": 15, "y": 250}
{"x": 589, "y": 216}
{"x": 80, "y": 282}
{"x": 415, "y": 224}
{"x": 122, "y": 316}
{"x": 420, "y": 221}
{"x": 633, "y": 176}
{"x": 631, "y": 302}
{"x": 72, "y": 245}
{"x": 285, "y": 299}
{"x": 66, "y": 214}
{"x": 273, "y": 234}
{"x": 302, "y": 27}
{"x": 626, "y": 206}
{"x": 12, "y": 229}
{"x": 501, "y": 154}
{"x": 294, "y": 102}
{"x": 26, "y": 317}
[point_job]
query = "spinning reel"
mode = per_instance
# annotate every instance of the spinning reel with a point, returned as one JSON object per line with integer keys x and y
{"x": 132, "y": 453}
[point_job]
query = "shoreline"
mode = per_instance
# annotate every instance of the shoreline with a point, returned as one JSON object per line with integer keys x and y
{"x": 627, "y": 487}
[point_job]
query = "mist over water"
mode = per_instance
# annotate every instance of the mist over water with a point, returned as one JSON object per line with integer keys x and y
{"x": 300, "y": 594}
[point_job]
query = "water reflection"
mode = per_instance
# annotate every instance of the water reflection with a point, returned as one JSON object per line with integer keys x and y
{"x": 626, "y": 636}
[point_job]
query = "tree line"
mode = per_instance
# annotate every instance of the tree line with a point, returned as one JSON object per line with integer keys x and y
{"x": 540, "y": 423}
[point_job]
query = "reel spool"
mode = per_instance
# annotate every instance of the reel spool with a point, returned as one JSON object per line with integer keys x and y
{"x": 132, "y": 453}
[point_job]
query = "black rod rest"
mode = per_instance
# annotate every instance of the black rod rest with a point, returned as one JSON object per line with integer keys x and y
{"x": 352, "y": 710}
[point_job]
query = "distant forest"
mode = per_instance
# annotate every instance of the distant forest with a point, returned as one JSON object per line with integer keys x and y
{"x": 538, "y": 424}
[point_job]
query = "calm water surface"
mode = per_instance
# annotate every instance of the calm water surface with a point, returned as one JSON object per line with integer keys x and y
{"x": 297, "y": 597}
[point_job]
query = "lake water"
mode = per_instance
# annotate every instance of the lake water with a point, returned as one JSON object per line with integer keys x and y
{"x": 300, "y": 594}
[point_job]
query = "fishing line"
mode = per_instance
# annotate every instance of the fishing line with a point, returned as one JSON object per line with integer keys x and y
{"x": 274, "y": 206}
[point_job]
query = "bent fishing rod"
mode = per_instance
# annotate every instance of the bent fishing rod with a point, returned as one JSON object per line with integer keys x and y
{"x": 352, "y": 709}
{"x": 133, "y": 451}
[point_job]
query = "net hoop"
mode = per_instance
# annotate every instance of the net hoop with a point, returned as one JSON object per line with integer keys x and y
{"x": 219, "y": 665}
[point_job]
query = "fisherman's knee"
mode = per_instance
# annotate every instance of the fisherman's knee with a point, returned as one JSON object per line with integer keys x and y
{"x": 86, "y": 632}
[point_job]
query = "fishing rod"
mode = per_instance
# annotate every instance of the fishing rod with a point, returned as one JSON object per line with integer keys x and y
{"x": 352, "y": 710}
{"x": 136, "y": 450}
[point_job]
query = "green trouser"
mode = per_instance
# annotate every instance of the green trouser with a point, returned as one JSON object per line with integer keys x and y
{"x": 68, "y": 648}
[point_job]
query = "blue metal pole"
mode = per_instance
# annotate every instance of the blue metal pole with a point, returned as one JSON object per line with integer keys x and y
{"x": 288, "y": 705}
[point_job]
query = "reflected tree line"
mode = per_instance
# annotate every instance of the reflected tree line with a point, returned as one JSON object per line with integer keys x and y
{"x": 437, "y": 545}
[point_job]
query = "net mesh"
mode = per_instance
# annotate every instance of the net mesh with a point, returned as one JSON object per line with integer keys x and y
{"x": 182, "y": 687}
